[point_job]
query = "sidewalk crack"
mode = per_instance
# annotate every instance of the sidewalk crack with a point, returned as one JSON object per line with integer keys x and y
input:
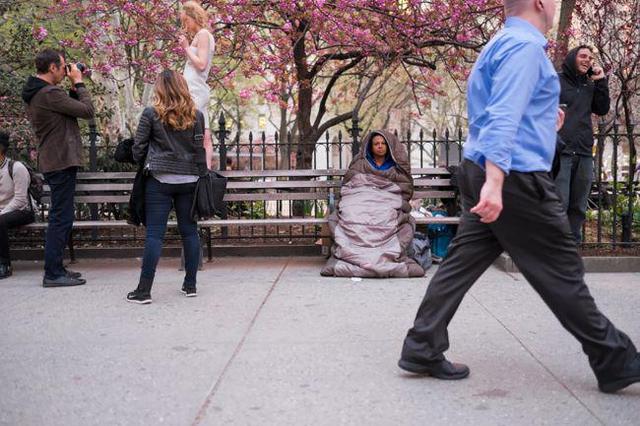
{"x": 202, "y": 412}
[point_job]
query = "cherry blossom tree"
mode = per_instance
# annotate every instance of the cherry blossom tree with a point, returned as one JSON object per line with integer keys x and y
{"x": 314, "y": 44}
{"x": 319, "y": 43}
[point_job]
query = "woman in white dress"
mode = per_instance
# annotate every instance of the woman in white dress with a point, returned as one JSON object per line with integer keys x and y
{"x": 199, "y": 53}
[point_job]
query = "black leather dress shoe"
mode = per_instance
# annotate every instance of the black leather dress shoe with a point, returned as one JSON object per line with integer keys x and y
{"x": 63, "y": 281}
{"x": 630, "y": 375}
{"x": 443, "y": 370}
{"x": 5, "y": 271}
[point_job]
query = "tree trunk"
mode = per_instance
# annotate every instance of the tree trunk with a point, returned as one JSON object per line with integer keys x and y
{"x": 562, "y": 40}
{"x": 283, "y": 131}
{"x": 630, "y": 127}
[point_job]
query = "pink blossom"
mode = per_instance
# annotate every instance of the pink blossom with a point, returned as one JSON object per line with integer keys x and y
{"x": 40, "y": 33}
{"x": 245, "y": 94}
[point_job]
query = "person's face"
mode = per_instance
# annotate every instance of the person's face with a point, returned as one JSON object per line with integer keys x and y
{"x": 58, "y": 72}
{"x": 188, "y": 23}
{"x": 379, "y": 146}
{"x": 584, "y": 61}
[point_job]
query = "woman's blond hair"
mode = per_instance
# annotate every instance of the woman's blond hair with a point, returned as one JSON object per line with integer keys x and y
{"x": 172, "y": 101}
{"x": 194, "y": 10}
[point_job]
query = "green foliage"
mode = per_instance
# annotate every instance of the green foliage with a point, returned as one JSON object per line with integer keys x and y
{"x": 13, "y": 116}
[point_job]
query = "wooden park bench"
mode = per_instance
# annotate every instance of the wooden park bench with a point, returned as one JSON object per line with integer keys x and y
{"x": 110, "y": 189}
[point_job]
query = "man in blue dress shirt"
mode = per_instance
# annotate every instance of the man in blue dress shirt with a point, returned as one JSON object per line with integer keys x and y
{"x": 510, "y": 203}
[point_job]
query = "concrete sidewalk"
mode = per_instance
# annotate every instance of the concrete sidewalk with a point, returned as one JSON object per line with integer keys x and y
{"x": 270, "y": 342}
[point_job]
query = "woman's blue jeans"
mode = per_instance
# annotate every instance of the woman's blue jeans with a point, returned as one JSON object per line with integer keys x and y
{"x": 159, "y": 199}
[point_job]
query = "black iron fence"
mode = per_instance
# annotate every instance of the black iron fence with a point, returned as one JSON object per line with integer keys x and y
{"x": 613, "y": 217}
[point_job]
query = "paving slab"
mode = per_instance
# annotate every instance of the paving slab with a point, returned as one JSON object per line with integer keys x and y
{"x": 84, "y": 356}
{"x": 324, "y": 352}
{"x": 268, "y": 341}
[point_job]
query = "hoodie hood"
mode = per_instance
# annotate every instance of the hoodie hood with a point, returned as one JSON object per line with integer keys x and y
{"x": 32, "y": 87}
{"x": 569, "y": 66}
{"x": 397, "y": 151}
{"x": 388, "y": 158}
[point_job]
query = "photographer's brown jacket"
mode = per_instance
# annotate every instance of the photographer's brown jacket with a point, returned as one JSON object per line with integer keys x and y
{"x": 54, "y": 117}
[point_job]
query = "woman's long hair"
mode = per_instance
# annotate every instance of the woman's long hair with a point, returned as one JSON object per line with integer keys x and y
{"x": 172, "y": 101}
{"x": 194, "y": 10}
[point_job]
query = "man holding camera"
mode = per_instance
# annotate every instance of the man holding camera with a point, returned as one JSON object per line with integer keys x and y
{"x": 54, "y": 117}
{"x": 584, "y": 91}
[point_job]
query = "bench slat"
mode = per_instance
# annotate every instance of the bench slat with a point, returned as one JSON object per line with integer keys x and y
{"x": 433, "y": 194}
{"x": 431, "y": 182}
{"x": 89, "y": 224}
{"x": 269, "y": 196}
{"x": 96, "y": 187}
{"x": 260, "y": 173}
{"x": 281, "y": 184}
{"x": 277, "y": 196}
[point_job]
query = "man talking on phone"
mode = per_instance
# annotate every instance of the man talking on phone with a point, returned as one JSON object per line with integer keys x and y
{"x": 585, "y": 91}
{"x": 54, "y": 117}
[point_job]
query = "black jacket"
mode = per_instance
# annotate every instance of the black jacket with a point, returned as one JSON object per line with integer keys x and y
{"x": 583, "y": 97}
{"x": 167, "y": 150}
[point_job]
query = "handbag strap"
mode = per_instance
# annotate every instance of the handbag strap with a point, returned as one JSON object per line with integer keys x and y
{"x": 198, "y": 130}
{"x": 198, "y": 141}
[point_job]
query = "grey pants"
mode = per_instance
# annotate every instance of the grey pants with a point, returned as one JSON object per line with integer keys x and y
{"x": 534, "y": 230}
{"x": 573, "y": 184}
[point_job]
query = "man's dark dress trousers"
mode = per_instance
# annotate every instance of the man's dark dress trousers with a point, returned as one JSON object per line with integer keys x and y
{"x": 534, "y": 230}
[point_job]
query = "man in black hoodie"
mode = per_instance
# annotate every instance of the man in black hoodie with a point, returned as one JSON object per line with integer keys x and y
{"x": 54, "y": 117}
{"x": 585, "y": 91}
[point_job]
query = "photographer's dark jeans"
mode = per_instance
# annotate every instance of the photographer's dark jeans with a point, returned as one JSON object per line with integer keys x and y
{"x": 159, "y": 199}
{"x": 61, "y": 211}
{"x": 573, "y": 184}
{"x": 7, "y": 221}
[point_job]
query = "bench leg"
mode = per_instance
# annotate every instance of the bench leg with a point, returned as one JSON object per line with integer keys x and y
{"x": 72, "y": 253}
{"x": 209, "y": 247}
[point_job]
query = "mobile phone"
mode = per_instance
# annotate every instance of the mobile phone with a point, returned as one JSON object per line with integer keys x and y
{"x": 590, "y": 72}
{"x": 563, "y": 106}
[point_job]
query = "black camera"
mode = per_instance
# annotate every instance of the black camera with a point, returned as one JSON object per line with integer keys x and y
{"x": 83, "y": 68}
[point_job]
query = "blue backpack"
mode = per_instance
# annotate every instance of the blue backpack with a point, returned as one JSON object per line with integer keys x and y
{"x": 440, "y": 235}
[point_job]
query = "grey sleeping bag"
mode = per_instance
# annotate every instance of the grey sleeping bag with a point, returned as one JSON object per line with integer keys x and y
{"x": 371, "y": 227}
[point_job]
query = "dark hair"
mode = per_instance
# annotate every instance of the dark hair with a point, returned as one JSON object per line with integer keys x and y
{"x": 4, "y": 142}
{"x": 45, "y": 58}
{"x": 585, "y": 46}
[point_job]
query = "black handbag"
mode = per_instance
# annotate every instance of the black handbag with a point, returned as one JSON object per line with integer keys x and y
{"x": 124, "y": 151}
{"x": 208, "y": 200}
{"x": 137, "y": 214}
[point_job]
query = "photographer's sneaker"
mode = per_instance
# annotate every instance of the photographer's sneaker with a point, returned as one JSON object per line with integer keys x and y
{"x": 139, "y": 298}
{"x": 189, "y": 291}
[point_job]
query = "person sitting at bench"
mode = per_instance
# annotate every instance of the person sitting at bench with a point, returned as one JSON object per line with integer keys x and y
{"x": 372, "y": 227}
{"x": 169, "y": 140}
{"x": 15, "y": 207}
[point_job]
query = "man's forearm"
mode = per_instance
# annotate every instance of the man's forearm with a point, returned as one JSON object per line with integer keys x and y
{"x": 494, "y": 173}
